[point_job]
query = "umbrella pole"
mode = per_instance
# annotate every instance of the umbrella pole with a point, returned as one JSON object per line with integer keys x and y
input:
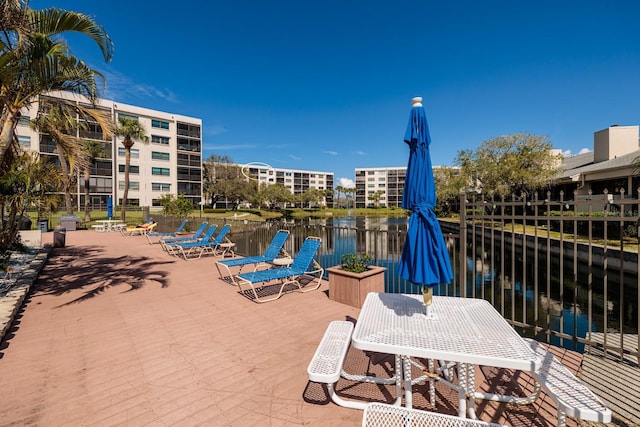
{"x": 427, "y": 296}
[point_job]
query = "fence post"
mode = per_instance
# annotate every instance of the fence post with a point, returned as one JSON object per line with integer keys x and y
{"x": 463, "y": 245}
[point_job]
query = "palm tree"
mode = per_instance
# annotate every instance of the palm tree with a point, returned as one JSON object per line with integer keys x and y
{"x": 31, "y": 182}
{"x": 92, "y": 150}
{"x": 59, "y": 120}
{"x": 34, "y": 60}
{"x": 130, "y": 129}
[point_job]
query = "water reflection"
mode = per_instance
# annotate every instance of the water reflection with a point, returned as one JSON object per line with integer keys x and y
{"x": 532, "y": 288}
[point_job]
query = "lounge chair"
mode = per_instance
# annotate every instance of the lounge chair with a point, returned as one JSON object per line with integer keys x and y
{"x": 166, "y": 234}
{"x": 304, "y": 265}
{"x": 174, "y": 248}
{"x": 202, "y": 246}
{"x": 272, "y": 252}
{"x": 195, "y": 236}
{"x": 138, "y": 230}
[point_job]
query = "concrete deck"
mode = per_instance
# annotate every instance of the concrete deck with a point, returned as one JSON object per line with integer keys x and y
{"x": 117, "y": 332}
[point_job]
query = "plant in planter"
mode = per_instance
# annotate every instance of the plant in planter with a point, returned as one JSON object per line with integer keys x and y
{"x": 356, "y": 263}
{"x": 350, "y": 282}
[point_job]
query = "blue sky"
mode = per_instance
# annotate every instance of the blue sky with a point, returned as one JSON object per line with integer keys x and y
{"x": 327, "y": 86}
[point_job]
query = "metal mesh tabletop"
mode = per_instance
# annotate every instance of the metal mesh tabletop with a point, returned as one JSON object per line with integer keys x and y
{"x": 463, "y": 330}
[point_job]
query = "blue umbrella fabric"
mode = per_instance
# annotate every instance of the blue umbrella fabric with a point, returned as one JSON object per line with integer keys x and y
{"x": 425, "y": 258}
{"x": 109, "y": 207}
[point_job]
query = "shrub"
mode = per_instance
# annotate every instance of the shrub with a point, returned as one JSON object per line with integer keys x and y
{"x": 356, "y": 263}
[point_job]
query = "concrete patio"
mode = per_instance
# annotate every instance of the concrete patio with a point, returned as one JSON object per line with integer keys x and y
{"x": 117, "y": 332}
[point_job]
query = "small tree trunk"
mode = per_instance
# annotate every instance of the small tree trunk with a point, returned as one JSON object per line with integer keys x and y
{"x": 125, "y": 193}
{"x": 87, "y": 175}
{"x": 9, "y": 123}
{"x": 66, "y": 179}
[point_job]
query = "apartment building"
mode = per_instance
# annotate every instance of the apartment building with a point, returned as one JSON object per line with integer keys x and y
{"x": 170, "y": 163}
{"x": 387, "y": 183}
{"x": 297, "y": 181}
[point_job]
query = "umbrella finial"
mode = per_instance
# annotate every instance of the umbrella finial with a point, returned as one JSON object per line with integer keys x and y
{"x": 416, "y": 102}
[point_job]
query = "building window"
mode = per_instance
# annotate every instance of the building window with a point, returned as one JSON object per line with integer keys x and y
{"x": 133, "y": 185}
{"x": 371, "y": 186}
{"x": 160, "y": 171}
{"x": 133, "y": 169}
{"x": 157, "y": 139}
{"x": 381, "y": 185}
{"x": 24, "y": 141}
{"x": 160, "y": 186}
{"x": 156, "y": 155}
{"x": 24, "y": 121}
{"x": 127, "y": 116}
{"x": 160, "y": 124}
{"x": 135, "y": 153}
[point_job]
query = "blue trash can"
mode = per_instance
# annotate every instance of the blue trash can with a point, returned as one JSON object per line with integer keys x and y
{"x": 43, "y": 225}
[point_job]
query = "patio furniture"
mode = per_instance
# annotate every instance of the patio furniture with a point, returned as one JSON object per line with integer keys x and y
{"x": 572, "y": 396}
{"x": 304, "y": 265}
{"x": 326, "y": 365}
{"x": 166, "y": 234}
{"x": 384, "y": 415}
{"x": 466, "y": 331}
{"x": 270, "y": 254}
{"x": 195, "y": 236}
{"x": 138, "y": 230}
{"x": 180, "y": 247}
{"x": 205, "y": 245}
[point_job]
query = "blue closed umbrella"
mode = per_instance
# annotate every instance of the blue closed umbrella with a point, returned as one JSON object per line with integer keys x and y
{"x": 425, "y": 258}
{"x": 109, "y": 207}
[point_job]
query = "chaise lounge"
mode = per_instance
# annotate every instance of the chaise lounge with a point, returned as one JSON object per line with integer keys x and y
{"x": 304, "y": 267}
{"x": 274, "y": 249}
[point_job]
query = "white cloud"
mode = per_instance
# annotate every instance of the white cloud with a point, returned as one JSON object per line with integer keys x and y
{"x": 331, "y": 153}
{"x": 346, "y": 182}
{"x": 585, "y": 150}
{"x": 123, "y": 88}
{"x": 231, "y": 147}
{"x": 215, "y": 130}
{"x": 361, "y": 153}
{"x": 295, "y": 157}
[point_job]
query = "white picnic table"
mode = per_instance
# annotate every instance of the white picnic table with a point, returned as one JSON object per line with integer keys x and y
{"x": 464, "y": 331}
{"x": 109, "y": 225}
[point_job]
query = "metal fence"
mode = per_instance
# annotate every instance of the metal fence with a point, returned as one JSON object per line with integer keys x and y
{"x": 565, "y": 272}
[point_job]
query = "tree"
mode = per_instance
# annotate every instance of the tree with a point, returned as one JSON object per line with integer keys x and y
{"x": 349, "y": 193}
{"x": 214, "y": 168}
{"x": 225, "y": 181}
{"x": 277, "y": 194}
{"x": 92, "y": 150}
{"x": 34, "y": 60}
{"x": 177, "y": 206}
{"x": 58, "y": 120}
{"x": 375, "y": 197}
{"x": 339, "y": 189}
{"x": 30, "y": 182}
{"x": 510, "y": 164}
{"x": 130, "y": 129}
{"x": 449, "y": 183}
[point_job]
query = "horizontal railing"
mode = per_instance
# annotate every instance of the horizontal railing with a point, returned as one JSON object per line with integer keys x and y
{"x": 549, "y": 285}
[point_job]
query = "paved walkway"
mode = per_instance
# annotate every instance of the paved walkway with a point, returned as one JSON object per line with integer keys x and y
{"x": 116, "y": 332}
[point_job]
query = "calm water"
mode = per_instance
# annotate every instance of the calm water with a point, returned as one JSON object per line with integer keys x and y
{"x": 384, "y": 239}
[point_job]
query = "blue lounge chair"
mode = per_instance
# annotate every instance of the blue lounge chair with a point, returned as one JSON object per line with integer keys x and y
{"x": 201, "y": 247}
{"x": 272, "y": 252}
{"x": 198, "y": 234}
{"x": 176, "y": 247}
{"x": 304, "y": 265}
{"x": 165, "y": 234}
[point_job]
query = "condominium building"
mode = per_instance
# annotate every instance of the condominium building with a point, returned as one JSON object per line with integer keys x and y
{"x": 297, "y": 181}
{"x": 171, "y": 163}
{"x": 379, "y": 186}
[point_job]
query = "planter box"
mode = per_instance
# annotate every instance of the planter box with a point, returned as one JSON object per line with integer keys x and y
{"x": 352, "y": 288}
